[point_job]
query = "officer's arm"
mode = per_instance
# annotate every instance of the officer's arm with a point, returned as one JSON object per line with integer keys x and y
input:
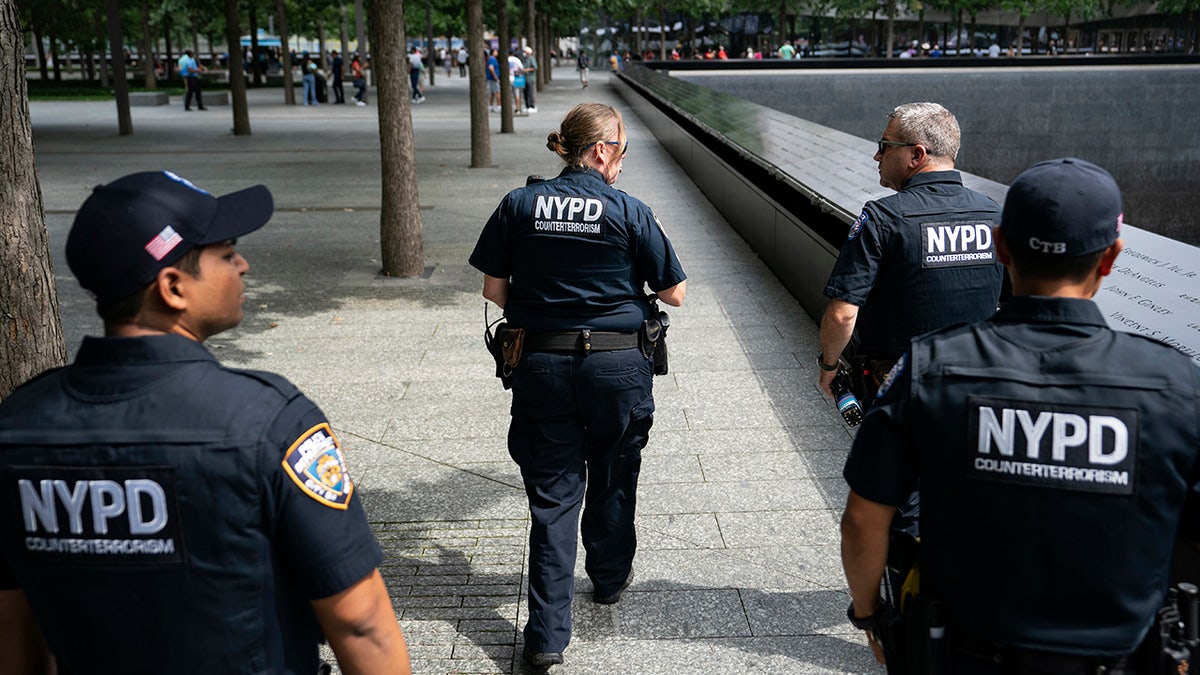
{"x": 496, "y": 290}
{"x": 361, "y": 627}
{"x": 837, "y": 325}
{"x": 22, "y": 647}
{"x": 865, "y": 527}
{"x": 674, "y": 295}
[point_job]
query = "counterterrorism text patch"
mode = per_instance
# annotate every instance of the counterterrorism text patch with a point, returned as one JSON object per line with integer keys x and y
{"x": 316, "y": 464}
{"x": 104, "y": 515}
{"x": 568, "y": 216}
{"x": 957, "y": 244}
{"x": 1054, "y": 445}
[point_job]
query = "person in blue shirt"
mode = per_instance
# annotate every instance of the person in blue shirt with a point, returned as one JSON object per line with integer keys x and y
{"x": 569, "y": 260}
{"x": 189, "y": 70}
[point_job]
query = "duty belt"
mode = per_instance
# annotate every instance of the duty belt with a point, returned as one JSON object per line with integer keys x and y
{"x": 580, "y": 341}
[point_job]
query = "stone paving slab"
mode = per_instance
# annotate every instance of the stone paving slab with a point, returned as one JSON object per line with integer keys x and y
{"x": 738, "y": 568}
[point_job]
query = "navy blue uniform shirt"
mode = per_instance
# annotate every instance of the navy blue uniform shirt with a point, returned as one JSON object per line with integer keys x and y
{"x": 578, "y": 254}
{"x": 1053, "y": 456}
{"x": 919, "y": 260}
{"x": 165, "y": 514}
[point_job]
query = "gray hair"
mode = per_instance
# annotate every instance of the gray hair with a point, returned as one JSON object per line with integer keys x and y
{"x": 930, "y": 125}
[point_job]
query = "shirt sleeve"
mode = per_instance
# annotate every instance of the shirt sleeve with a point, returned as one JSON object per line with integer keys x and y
{"x": 881, "y": 466}
{"x": 316, "y": 518}
{"x": 857, "y": 266}
{"x": 492, "y": 254}
{"x": 657, "y": 261}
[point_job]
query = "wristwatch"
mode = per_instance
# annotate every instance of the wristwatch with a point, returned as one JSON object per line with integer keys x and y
{"x": 825, "y": 366}
{"x": 866, "y": 622}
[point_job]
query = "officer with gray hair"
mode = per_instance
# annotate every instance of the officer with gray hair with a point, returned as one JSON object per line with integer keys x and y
{"x": 1053, "y": 455}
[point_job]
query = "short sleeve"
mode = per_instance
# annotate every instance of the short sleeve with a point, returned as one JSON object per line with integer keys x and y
{"x": 857, "y": 266}
{"x": 493, "y": 253}
{"x": 657, "y": 261}
{"x": 317, "y": 521}
{"x": 881, "y": 466}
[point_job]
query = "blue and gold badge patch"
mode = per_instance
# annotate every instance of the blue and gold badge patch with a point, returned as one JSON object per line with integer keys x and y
{"x": 316, "y": 464}
{"x": 857, "y": 226}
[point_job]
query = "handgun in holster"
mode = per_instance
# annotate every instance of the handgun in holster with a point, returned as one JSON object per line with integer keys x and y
{"x": 1173, "y": 643}
{"x": 653, "y": 337}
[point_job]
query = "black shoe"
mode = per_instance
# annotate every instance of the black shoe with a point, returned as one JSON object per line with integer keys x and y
{"x": 615, "y": 597}
{"x": 203, "y": 108}
{"x": 543, "y": 659}
{"x": 188, "y": 109}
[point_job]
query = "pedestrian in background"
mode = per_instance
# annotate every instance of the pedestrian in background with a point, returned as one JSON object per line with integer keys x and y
{"x": 339, "y": 94}
{"x": 190, "y": 71}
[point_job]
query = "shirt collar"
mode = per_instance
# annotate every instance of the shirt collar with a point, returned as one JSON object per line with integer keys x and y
{"x": 1042, "y": 309}
{"x": 577, "y": 172}
{"x": 144, "y": 350}
{"x": 927, "y": 177}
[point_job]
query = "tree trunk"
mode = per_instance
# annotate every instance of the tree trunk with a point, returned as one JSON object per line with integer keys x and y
{"x": 345, "y": 53}
{"x": 400, "y": 215}
{"x": 112, "y": 8}
{"x": 324, "y": 59}
{"x": 958, "y": 38}
{"x": 360, "y": 37}
{"x": 1021, "y": 36}
{"x": 430, "y": 67}
{"x": 54, "y": 58}
{"x": 662, "y": 29}
{"x": 481, "y": 137}
{"x": 506, "y": 90}
{"x": 531, "y": 33}
{"x": 255, "y": 68}
{"x": 167, "y": 42}
{"x": 31, "y": 338}
{"x": 546, "y": 70}
{"x": 891, "y": 28}
{"x": 41, "y": 52}
{"x": 148, "y": 57}
{"x": 285, "y": 55}
{"x": 237, "y": 76}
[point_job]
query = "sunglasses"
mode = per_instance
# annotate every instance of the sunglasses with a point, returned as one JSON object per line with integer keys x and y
{"x": 624, "y": 150}
{"x": 900, "y": 144}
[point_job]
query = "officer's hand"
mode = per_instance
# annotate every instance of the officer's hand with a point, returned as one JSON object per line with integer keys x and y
{"x": 824, "y": 378}
{"x": 876, "y": 647}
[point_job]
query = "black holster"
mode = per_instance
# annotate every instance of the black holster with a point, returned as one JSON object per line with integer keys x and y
{"x": 653, "y": 337}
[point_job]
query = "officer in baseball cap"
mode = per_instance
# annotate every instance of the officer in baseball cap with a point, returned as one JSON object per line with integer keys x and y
{"x": 1053, "y": 456}
{"x": 163, "y": 513}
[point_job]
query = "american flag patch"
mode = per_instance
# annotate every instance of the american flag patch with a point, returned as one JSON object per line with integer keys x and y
{"x": 163, "y": 243}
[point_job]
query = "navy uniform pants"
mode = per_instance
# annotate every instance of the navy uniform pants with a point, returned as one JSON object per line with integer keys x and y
{"x": 579, "y": 423}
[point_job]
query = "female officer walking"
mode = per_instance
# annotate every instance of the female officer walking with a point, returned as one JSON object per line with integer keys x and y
{"x": 568, "y": 259}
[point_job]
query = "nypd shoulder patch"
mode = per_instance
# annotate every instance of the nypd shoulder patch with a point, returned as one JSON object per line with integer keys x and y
{"x": 858, "y": 225}
{"x": 316, "y": 465}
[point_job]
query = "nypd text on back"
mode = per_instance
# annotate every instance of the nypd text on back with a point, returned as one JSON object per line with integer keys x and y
{"x": 568, "y": 215}
{"x": 1062, "y": 446}
{"x": 957, "y": 244}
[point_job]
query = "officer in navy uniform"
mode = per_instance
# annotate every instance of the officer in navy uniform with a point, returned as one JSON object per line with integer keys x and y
{"x": 163, "y": 513}
{"x": 915, "y": 261}
{"x": 568, "y": 259}
{"x": 1053, "y": 454}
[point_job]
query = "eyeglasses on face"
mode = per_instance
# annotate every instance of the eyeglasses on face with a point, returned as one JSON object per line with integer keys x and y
{"x": 624, "y": 150}
{"x": 883, "y": 144}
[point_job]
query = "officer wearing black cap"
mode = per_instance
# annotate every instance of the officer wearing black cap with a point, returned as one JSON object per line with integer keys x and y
{"x": 918, "y": 260}
{"x": 568, "y": 259}
{"x": 1053, "y": 454}
{"x": 162, "y": 513}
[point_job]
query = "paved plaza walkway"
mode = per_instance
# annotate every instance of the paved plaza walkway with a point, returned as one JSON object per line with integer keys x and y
{"x": 737, "y": 569}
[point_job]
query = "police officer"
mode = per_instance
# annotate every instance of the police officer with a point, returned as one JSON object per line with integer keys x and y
{"x": 568, "y": 259}
{"x": 917, "y": 260}
{"x": 163, "y": 513}
{"x": 1053, "y": 454}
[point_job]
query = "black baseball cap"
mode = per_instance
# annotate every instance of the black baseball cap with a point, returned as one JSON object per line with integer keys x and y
{"x": 135, "y": 226}
{"x": 1062, "y": 207}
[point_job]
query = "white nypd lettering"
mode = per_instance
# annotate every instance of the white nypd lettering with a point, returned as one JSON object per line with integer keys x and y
{"x": 954, "y": 244}
{"x": 568, "y": 215}
{"x": 1062, "y": 445}
{"x": 143, "y": 502}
